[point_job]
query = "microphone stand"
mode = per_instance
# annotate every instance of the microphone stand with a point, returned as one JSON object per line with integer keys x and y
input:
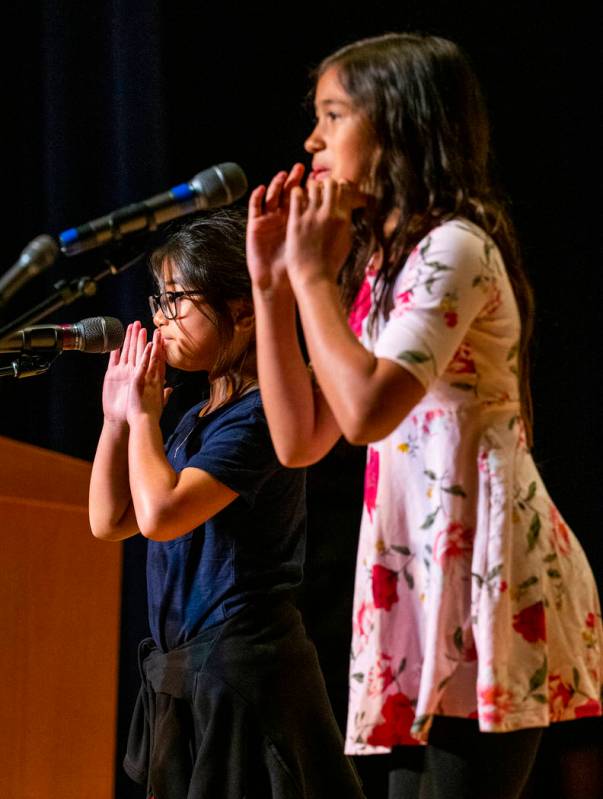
{"x": 65, "y": 294}
{"x": 28, "y": 364}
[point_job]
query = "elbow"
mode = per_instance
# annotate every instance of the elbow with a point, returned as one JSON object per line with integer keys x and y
{"x": 357, "y": 439}
{"x": 295, "y": 458}
{"x": 149, "y": 514}
{"x": 358, "y": 427}
{"x": 375, "y": 410}
{"x": 99, "y": 532}
{"x": 294, "y": 451}
{"x": 366, "y": 425}
{"x": 373, "y": 417}
{"x": 360, "y": 436}
{"x": 106, "y": 532}
{"x": 111, "y": 526}
{"x": 151, "y": 525}
{"x": 156, "y": 523}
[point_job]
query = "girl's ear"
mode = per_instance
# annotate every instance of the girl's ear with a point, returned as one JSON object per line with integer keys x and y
{"x": 243, "y": 315}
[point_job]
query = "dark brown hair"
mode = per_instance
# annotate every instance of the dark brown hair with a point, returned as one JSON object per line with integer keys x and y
{"x": 208, "y": 255}
{"x": 425, "y": 105}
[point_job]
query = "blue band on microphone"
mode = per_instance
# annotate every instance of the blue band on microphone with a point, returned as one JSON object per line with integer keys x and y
{"x": 182, "y": 192}
{"x": 68, "y": 236}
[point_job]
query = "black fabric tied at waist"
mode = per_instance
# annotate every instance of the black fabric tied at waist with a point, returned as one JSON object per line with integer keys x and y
{"x": 239, "y": 712}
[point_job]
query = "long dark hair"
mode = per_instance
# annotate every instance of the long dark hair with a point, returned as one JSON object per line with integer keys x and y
{"x": 425, "y": 105}
{"x": 208, "y": 254}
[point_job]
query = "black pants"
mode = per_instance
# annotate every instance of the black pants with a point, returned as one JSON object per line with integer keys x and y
{"x": 239, "y": 711}
{"x": 461, "y": 762}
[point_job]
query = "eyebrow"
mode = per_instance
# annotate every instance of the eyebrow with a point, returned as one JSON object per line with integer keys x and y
{"x": 329, "y": 102}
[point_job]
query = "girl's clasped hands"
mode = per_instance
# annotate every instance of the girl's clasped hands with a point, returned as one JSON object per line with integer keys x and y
{"x": 300, "y": 233}
{"x": 134, "y": 382}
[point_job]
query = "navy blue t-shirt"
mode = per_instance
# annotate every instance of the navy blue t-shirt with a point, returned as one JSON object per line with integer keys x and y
{"x": 254, "y": 547}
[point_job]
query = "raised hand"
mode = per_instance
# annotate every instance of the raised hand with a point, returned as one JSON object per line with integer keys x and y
{"x": 319, "y": 229}
{"x": 146, "y": 394}
{"x": 267, "y": 229}
{"x": 116, "y": 384}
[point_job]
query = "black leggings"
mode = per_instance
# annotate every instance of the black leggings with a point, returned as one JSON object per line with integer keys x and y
{"x": 461, "y": 762}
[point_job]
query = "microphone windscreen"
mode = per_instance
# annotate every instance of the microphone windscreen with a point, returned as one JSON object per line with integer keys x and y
{"x": 101, "y": 334}
{"x": 41, "y": 252}
{"x": 220, "y": 185}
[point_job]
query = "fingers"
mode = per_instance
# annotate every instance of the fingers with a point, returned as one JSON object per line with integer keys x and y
{"x": 343, "y": 200}
{"x": 272, "y": 200}
{"x": 334, "y": 198}
{"x": 256, "y": 202}
{"x": 326, "y": 194}
{"x": 294, "y": 179}
{"x": 277, "y": 196}
{"x": 142, "y": 363}
{"x": 156, "y": 364}
{"x": 130, "y": 354}
{"x": 314, "y": 191}
{"x": 265, "y": 200}
{"x": 295, "y": 176}
{"x": 322, "y": 196}
{"x": 162, "y": 360}
{"x": 126, "y": 344}
{"x": 351, "y": 197}
{"x": 125, "y": 347}
{"x": 330, "y": 195}
{"x": 297, "y": 203}
{"x": 150, "y": 361}
{"x": 133, "y": 345}
{"x": 139, "y": 345}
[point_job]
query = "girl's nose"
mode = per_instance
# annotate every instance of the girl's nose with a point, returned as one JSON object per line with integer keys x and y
{"x": 158, "y": 318}
{"x": 314, "y": 143}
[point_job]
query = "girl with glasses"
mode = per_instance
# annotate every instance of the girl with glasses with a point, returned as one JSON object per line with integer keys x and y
{"x": 232, "y": 701}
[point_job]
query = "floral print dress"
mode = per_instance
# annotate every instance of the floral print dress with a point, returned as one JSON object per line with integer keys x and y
{"x": 473, "y": 598}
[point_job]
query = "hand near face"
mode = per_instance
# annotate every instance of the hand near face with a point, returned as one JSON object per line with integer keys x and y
{"x": 267, "y": 229}
{"x": 147, "y": 395}
{"x": 319, "y": 230}
{"x": 116, "y": 384}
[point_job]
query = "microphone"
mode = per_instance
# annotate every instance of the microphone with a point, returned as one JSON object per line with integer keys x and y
{"x": 95, "y": 334}
{"x": 214, "y": 187}
{"x": 35, "y": 258}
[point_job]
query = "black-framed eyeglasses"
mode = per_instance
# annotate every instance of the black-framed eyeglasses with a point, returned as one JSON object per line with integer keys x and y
{"x": 168, "y": 302}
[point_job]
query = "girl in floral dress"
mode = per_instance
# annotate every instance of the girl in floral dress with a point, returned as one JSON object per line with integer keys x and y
{"x": 476, "y": 617}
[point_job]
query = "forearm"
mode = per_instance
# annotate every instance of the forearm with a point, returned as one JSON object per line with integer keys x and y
{"x": 298, "y": 425}
{"x": 368, "y": 397}
{"x": 341, "y": 364}
{"x": 109, "y": 499}
{"x": 152, "y": 479}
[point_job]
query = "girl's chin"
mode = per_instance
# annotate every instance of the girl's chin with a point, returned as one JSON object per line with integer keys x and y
{"x": 178, "y": 357}
{"x": 183, "y": 365}
{"x": 187, "y": 365}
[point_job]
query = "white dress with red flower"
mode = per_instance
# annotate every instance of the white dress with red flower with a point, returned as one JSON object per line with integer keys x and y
{"x": 473, "y": 598}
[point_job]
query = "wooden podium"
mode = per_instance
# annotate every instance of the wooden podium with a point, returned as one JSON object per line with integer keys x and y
{"x": 59, "y": 631}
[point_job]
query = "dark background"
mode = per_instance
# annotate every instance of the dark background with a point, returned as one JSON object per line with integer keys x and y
{"x": 107, "y": 103}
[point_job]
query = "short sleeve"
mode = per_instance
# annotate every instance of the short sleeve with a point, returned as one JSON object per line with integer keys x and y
{"x": 447, "y": 280}
{"x": 237, "y": 450}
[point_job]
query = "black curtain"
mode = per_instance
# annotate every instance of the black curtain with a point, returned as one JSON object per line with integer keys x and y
{"x": 106, "y": 103}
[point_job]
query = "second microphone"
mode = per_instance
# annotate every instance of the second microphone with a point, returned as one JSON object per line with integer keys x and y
{"x": 214, "y": 187}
